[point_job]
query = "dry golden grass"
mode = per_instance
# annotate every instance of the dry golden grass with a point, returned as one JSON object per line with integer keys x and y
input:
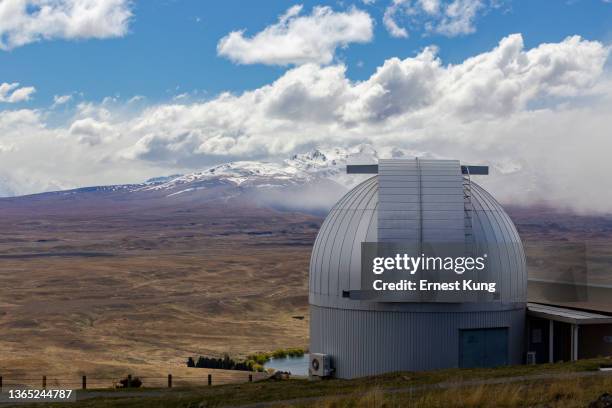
{"x": 159, "y": 289}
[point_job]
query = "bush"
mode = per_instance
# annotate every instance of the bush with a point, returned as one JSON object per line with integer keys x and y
{"x": 134, "y": 383}
{"x": 259, "y": 358}
{"x": 225, "y": 363}
{"x": 253, "y": 362}
{"x": 295, "y": 352}
{"x": 290, "y": 352}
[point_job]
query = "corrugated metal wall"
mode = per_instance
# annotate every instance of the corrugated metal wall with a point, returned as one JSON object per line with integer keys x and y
{"x": 365, "y": 342}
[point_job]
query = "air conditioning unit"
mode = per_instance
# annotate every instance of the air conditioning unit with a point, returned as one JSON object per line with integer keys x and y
{"x": 531, "y": 357}
{"x": 320, "y": 365}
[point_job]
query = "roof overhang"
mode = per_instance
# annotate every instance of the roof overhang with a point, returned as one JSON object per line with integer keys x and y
{"x": 566, "y": 315}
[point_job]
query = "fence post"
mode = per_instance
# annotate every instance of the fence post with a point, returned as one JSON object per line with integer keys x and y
{"x": 44, "y": 384}
{"x": 209, "y": 379}
{"x": 250, "y": 377}
{"x": 129, "y": 381}
{"x": 169, "y": 380}
{"x": 84, "y": 382}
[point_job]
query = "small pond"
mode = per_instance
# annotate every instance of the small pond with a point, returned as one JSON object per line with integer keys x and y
{"x": 294, "y": 365}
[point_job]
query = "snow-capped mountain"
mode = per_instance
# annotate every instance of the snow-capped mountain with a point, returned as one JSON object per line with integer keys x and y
{"x": 300, "y": 169}
{"x": 313, "y": 167}
{"x": 307, "y": 181}
{"x": 312, "y": 181}
{"x": 242, "y": 173}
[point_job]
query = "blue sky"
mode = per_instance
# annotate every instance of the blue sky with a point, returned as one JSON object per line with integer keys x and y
{"x": 171, "y": 46}
{"x": 97, "y": 92}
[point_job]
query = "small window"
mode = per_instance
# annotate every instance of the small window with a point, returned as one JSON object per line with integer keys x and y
{"x": 536, "y": 336}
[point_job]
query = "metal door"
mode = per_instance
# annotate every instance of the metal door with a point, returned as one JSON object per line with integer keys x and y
{"x": 483, "y": 347}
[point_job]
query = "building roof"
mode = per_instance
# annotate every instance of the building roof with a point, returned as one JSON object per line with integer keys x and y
{"x": 412, "y": 201}
{"x": 566, "y": 315}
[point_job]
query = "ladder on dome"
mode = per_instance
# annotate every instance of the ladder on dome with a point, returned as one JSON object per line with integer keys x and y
{"x": 468, "y": 208}
{"x": 468, "y": 212}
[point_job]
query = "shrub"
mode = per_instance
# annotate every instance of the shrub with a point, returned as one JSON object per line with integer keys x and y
{"x": 225, "y": 363}
{"x": 253, "y": 362}
{"x": 259, "y": 358}
{"x": 134, "y": 383}
{"x": 289, "y": 352}
{"x": 295, "y": 352}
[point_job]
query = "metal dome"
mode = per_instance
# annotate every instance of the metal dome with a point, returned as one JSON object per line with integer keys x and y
{"x": 366, "y": 337}
{"x": 335, "y": 264}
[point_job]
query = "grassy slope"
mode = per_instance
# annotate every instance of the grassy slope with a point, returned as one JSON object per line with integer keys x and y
{"x": 382, "y": 390}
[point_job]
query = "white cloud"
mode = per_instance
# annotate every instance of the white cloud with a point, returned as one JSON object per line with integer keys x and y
{"x": 459, "y": 18}
{"x": 17, "y": 119}
{"x": 61, "y": 99}
{"x": 136, "y": 98}
{"x": 446, "y": 17}
{"x": 181, "y": 96}
{"x": 299, "y": 39}
{"x": 12, "y": 93}
{"x": 7, "y": 148}
{"x": 389, "y": 20}
{"x": 430, "y": 6}
{"x": 26, "y": 21}
{"x": 91, "y": 131}
{"x": 31, "y": 156}
{"x": 522, "y": 111}
{"x": 316, "y": 102}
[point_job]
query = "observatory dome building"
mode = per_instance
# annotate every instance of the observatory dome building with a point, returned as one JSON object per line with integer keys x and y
{"x": 416, "y": 202}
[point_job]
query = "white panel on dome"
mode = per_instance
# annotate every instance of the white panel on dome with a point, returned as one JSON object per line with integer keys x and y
{"x": 407, "y": 187}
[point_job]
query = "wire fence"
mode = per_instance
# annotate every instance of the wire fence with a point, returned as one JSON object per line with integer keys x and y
{"x": 209, "y": 377}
